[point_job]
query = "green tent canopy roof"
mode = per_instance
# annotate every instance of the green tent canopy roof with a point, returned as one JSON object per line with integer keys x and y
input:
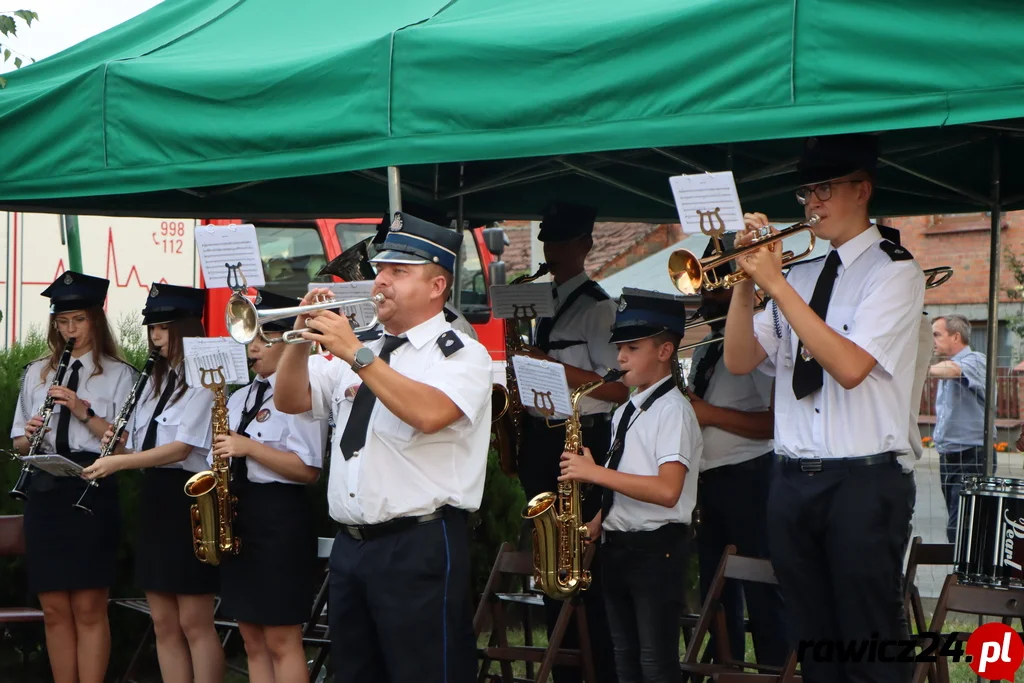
{"x": 253, "y": 108}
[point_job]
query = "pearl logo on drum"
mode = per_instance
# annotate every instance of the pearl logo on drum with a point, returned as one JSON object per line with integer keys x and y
{"x": 1014, "y": 530}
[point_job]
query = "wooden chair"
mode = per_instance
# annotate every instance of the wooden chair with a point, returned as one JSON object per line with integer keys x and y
{"x": 509, "y": 567}
{"x": 712, "y": 616}
{"x": 12, "y": 544}
{"x": 976, "y": 600}
{"x": 923, "y": 554}
{"x": 316, "y": 631}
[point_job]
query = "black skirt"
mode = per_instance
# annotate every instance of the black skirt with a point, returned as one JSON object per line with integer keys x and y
{"x": 165, "y": 559}
{"x": 66, "y": 548}
{"x": 271, "y": 581}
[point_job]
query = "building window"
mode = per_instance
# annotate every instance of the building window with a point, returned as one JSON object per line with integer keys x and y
{"x": 979, "y": 341}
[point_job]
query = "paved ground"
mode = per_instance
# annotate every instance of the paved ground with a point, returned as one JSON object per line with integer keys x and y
{"x": 930, "y": 511}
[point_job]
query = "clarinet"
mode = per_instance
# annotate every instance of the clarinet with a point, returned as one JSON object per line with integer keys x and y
{"x": 20, "y": 490}
{"x": 120, "y": 424}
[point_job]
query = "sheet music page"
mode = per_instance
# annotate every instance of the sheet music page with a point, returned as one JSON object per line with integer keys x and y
{"x": 542, "y": 385}
{"x": 57, "y": 465}
{"x": 529, "y": 300}
{"x": 219, "y": 245}
{"x": 215, "y": 352}
{"x": 359, "y": 314}
{"x": 711, "y": 197}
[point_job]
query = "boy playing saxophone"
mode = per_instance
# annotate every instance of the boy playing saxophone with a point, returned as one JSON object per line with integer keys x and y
{"x": 647, "y": 495}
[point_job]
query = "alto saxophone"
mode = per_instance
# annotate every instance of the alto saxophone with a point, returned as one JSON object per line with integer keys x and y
{"x": 506, "y": 405}
{"x": 559, "y": 532}
{"x": 211, "y": 484}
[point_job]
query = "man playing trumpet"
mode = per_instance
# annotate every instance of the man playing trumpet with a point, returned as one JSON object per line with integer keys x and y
{"x": 840, "y": 337}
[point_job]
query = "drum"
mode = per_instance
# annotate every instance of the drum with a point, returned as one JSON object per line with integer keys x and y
{"x": 989, "y": 549}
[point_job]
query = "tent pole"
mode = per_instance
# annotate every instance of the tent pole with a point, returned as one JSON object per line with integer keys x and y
{"x": 459, "y": 265}
{"x": 74, "y": 243}
{"x": 992, "y": 358}
{"x": 394, "y": 191}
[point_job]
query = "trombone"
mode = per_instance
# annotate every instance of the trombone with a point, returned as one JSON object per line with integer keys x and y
{"x": 245, "y": 322}
{"x": 935, "y": 277}
{"x": 689, "y": 274}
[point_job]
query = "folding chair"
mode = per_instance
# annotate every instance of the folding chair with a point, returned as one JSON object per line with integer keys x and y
{"x": 509, "y": 566}
{"x": 923, "y": 554}
{"x": 712, "y": 616}
{"x": 12, "y": 544}
{"x": 316, "y": 631}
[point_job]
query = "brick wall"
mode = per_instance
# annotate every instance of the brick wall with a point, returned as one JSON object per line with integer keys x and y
{"x": 962, "y": 242}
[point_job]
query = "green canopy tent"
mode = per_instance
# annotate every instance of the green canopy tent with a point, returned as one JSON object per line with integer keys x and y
{"x": 241, "y": 108}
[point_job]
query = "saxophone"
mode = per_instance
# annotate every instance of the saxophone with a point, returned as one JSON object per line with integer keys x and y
{"x": 506, "y": 405}
{"x": 207, "y": 514}
{"x": 35, "y": 443}
{"x": 559, "y": 533}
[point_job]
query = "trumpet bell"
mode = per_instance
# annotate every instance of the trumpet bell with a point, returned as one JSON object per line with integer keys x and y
{"x": 241, "y": 318}
{"x": 685, "y": 271}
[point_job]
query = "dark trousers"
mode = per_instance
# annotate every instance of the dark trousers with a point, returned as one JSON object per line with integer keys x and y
{"x": 399, "y": 609}
{"x": 837, "y": 539}
{"x": 733, "y": 502}
{"x": 645, "y": 583}
{"x": 953, "y": 467}
{"x": 538, "y": 472}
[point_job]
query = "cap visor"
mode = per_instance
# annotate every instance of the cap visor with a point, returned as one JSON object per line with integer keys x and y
{"x": 392, "y": 256}
{"x": 628, "y": 334}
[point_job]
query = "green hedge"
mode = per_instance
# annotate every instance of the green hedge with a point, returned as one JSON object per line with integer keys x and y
{"x": 497, "y": 521}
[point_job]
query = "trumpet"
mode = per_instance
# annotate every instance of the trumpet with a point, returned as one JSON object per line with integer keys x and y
{"x": 935, "y": 277}
{"x": 690, "y": 274}
{"x": 245, "y": 322}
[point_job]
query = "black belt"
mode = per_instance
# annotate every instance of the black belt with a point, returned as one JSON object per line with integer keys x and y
{"x": 821, "y": 464}
{"x": 368, "y": 532}
{"x": 655, "y": 538}
{"x": 586, "y": 421}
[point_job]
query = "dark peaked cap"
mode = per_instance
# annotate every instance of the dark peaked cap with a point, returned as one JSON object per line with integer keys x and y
{"x": 74, "y": 291}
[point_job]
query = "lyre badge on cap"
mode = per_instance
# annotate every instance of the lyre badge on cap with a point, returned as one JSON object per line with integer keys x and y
{"x": 68, "y": 279}
{"x": 153, "y": 293}
{"x": 396, "y": 224}
{"x": 622, "y": 304}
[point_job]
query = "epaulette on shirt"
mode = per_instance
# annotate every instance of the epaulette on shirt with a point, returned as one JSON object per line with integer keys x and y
{"x": 449, "y": 315}
{"x": 449, "y": 343}
{"x": 895, "y": 251}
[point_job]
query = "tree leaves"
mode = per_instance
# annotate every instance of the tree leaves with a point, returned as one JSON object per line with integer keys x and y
{"x": 9, "y": 27}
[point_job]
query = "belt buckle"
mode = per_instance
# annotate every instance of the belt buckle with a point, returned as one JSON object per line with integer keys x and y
{"x": 355, "y": 532}
{"x": 810, "y": 465}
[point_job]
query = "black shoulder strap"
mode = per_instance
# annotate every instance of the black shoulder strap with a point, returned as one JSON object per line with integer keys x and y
{"x": 545, "y": 326}
{"x": 450, "y": 315}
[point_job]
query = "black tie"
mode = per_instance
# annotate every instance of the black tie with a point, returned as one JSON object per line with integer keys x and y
{"x": 241, "y": 469}
{"x": 64, "y": 421}
{"x": 615, "y": 455}
{"x": 808, "y": 376}
{"x": 706, "y": 366}
{"x": 150, "y": 440}
{"x": 354, "y": 436}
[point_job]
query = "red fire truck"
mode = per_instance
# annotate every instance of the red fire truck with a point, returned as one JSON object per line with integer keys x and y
{"x": 294, "y": 251}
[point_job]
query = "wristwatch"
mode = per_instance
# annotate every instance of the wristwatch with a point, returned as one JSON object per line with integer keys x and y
{"x": 364, "y": 356}
{"x": 89, "y": 414}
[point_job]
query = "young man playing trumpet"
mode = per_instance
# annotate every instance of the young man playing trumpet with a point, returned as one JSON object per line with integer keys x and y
{"x": 840, "y": 337}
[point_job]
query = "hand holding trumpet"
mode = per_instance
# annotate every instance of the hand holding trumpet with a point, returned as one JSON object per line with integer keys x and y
{"x": 328, "y": 328}
{"x": 763, "y": 265}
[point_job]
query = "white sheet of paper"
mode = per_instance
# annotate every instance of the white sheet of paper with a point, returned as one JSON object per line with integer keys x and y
{"x": 711, "y": 194}
{"x": 533, "y": 299}
{"x": 57, "y": 465}
{"x": 219, "y": 245}
{"x": 542, "y": 385}
{"x": 215, "y": 352}
{"x": 361, "y": 289}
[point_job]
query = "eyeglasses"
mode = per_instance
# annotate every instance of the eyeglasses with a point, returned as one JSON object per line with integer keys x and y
{"x": 823, "y": 191}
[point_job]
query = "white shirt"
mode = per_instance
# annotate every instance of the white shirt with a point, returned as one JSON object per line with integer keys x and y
{"x": 105, "y": 393}
{"x": 668, "y": 432}
{"x": 748, "y": 393}
{"x": 876, "y": 303}
{"x": 300, "y": 434}
{"x": 401, "y": 471}
{"x": 589, "y": 321}
{"x": 188, "y": 419}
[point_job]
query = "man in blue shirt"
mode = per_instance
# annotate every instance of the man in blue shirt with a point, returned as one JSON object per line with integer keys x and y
{"x": 959, "y": 410}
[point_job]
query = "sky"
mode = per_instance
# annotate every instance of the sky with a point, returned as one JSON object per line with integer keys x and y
{"x": 63, "y": 23}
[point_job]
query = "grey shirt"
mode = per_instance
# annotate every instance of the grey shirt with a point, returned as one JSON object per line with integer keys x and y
{"x": 960, "y": 405}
